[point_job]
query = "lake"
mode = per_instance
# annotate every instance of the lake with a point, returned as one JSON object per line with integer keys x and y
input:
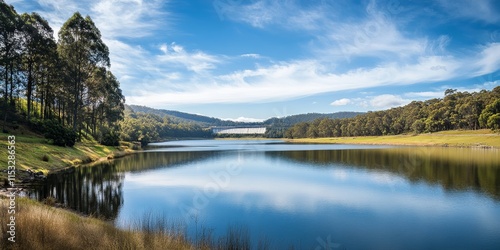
{"x": 310, "y": 196}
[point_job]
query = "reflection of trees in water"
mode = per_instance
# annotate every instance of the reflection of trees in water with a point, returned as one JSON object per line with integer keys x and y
{"x": 93, "y": 191}
{"x": 97, "y": 190}
{"x": 452, "y": 168}
{"x": 152, "y": 160}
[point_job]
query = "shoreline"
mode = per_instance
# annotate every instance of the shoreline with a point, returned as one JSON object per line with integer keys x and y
{"x": 89, "y": 153}
{"x": 461, "y": 139}
{"x": 21, "y": 184}
{"x": 35, "y": 158}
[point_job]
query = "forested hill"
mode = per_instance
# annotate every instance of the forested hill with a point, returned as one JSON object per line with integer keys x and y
{"x": 457, "y": 110}
{"x": 182, "y": 117}
{"x": 293, "y": 119}
{"x": 276, "y": 127}
{"x": 205, "y": 121}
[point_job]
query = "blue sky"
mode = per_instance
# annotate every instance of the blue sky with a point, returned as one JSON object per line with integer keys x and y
{"x": 255, "y": 59}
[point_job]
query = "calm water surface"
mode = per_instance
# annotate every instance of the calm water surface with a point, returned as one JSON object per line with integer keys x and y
{"x": 308, "y": 196}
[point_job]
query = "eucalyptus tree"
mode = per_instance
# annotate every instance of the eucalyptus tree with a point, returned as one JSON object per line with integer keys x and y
{"x": 50, "y": 83}
{"x": 490, "y": 116}
{"x": 10, "y": 54}
{"x": 39, "y": 41}
{"x": 10, "y": 47}
{"x": 81, "y": 48}
{"x": 113, "y": 105}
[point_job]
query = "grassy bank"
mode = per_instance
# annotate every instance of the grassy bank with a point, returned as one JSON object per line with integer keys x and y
{"x": 455, "y": 138}
{"x": 38, "y": 226}
{"x": 35, "y": 153}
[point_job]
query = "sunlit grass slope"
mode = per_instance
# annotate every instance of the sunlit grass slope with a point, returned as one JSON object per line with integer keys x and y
{"x": 453, "y": 138}
{"x": 35, "y": 153}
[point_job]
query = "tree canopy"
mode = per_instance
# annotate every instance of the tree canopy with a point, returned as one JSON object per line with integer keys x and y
{"x": 457, "y": 110}
{"x": 62, "y": 89}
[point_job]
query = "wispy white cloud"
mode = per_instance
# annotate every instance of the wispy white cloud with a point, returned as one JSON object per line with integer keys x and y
{"x": 388, "y": 101}
{"x": 289, "y": 80}
{"x": 380, "y": 102}
{"x": 439, "y": 92}
{"x": 129, "y": 18}
{"x": 197, "y": 61}
{"x": 425, "y": 94}
{"x": 263, "y": 13}
{"x": 483, "y": 10}
{"x": 256, "y": 56}
{"x": 57, "y": 12}
{"x": 341, "y": 102}
{"x": 117, "y": 20}
{"x": 374, "y": 36}
{"x": 172, "y": 74}
{"x": 15, "y": 1}
{"x": 244, "y": 119}
{"x": 488, "y": 59}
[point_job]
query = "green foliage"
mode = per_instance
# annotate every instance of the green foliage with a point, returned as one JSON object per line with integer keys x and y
{"x": 147, "y": 128}
{"x": 494, "y": 122}
{"x": 418, "y": 126}
{"x": 109, "y": 137}
{"x": 67, "y": 82}
{"x": 457, "y": 110}
{"x": 85, "y": 56}
{"x": 181, "y": 117}
{"x": 277, "y": 127}
{"x": 489, "y": 117}
{"x": 59, "y": 135}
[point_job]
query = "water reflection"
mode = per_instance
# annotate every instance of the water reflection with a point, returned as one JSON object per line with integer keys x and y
{"x": 97, "y": 189}
{"x": 452, "y": 168}
{"x": 367, "y": 197}
{"x": 90, "y": 190}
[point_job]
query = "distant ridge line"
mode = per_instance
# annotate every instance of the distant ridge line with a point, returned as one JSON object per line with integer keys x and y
{"x": 206, "y": 121}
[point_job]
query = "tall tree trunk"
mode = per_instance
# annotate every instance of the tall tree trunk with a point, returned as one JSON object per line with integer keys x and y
{"x": 12, "y": 102}
{"x": 93, "y": 120}
{"x": 29, "y": 89}
{"x": 6, "y": 98}
{"x": 75, "y": 106}
{"x": 6, "y": 80}
{"x": 61, "y": 112}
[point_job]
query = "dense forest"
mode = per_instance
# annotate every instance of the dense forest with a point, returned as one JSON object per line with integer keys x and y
{"x": 276, "y": 127}
{"x": 181, "y": 117}
{"x": 63, "y": 89}
{"x": 457, "y": 110}
{"x": 149, "y": 127}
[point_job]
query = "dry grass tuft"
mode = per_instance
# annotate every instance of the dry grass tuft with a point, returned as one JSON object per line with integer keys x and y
{"x": 42, "y": 227}
{"x": 39, "y": 226}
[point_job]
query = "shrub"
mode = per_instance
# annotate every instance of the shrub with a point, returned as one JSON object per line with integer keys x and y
{"x": 45, "y": 158}
{"x": 70, "y": 137}
{"x": 111, "y": 139}
{"x": 59, "y": 135}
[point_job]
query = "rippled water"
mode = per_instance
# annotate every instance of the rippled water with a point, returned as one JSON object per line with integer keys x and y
{"x": 309, "y": 196}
